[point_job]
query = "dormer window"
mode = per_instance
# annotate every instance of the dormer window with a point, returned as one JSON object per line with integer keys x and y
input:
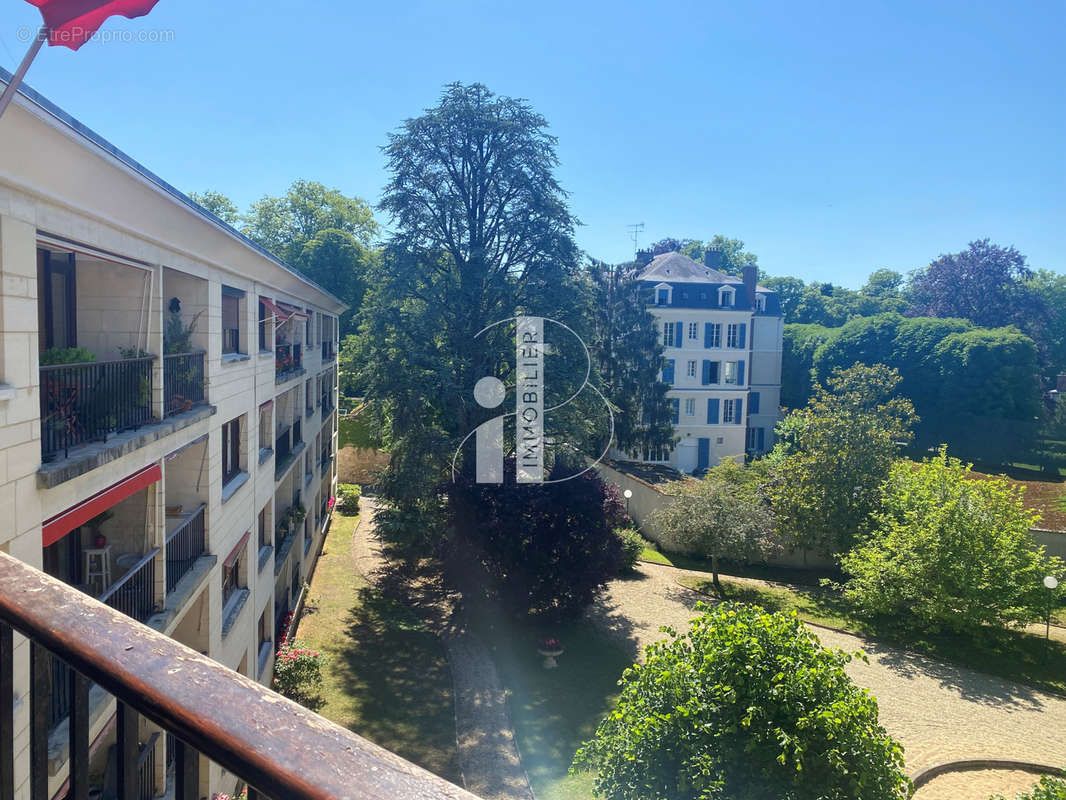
{"x": 663, "y": 294}
{"x": 760, "y": 302}
{"x": 725, "y": 297}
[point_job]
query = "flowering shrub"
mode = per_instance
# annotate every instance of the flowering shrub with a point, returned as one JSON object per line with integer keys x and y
{"x": 298, "y": 673}
{"x": 285, "y": 626}
{"x": 347, "y": 499}
{"x": 223, "y": 796}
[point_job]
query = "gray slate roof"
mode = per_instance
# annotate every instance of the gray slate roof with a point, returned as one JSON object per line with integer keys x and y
{"x": 676, "y": 268}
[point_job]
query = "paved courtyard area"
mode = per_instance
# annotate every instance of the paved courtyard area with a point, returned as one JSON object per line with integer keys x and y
{"x": 940, "y": 712}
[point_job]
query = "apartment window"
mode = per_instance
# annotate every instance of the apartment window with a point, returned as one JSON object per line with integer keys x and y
{"x": 725, "y": 297}
{"x": 693, "y": 330}
{"x": 266, "y": 426}
{"x": 264, "y": 529}
{"x": 690, "y": 407}
{"x": 760, "y": 302}
{"x": 231, "y": 573}
{"x": 309, "y": 328}
{"x": 730, "y": 372}
{"x": 231, "y": 319}
{"x": 265, "y": 319}
{"x": 729, "y": 411}
{"x": 309, "y": 396}
{"x": 668, "y": 334}
{"x": 659, "y": 455}
{"x": 714, "y": 335}
{"x": 231, "y": 450}
{"x": 264, "y": 627}
{"x": 57, "y": 309}
{"x": 732, "y": 337}
{"x": 662, "y": 297}
{"x": 690, "y": 370}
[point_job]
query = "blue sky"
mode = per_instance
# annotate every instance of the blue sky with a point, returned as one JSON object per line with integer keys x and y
{"x": 833, "y": 138}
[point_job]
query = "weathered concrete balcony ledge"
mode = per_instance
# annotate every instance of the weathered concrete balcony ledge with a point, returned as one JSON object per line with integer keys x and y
{"x": 87, "y": 457}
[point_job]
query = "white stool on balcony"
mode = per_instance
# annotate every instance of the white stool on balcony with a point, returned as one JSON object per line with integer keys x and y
{"x": 98, "y": 566}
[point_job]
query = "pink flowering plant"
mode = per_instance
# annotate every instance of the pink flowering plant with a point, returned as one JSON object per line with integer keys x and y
{"x": 550, "y": 644}
{"x": 298, "y": 674}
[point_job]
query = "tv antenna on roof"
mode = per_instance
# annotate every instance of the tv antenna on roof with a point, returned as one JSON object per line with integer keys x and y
{"x": 635, "y": 230}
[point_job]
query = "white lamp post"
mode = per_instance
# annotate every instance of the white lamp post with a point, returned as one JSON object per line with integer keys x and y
{"x": 1051, "y": 583}
{"x": 628, "y": 493}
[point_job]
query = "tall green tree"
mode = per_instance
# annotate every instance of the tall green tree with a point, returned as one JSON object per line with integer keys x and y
{"x": 218, "y": 204}
{"x": 834, "y": 455}
{"x": 949, "y": 551}
{"x": 726, "y": 254}
{"x": 481, "y": 232}
{"x": 745, "y": 705}
{"x": 1050, "y": 289}
{"x": 627, "y": 349}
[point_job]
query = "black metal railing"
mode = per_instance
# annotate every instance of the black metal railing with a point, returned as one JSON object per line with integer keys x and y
{"x": 264, "y": 741}
{"x": 183, "y": 382}
{"x": 283, "y": 446}
{"x": 184, "y": 546}
{"x": 134, "y": 593}
{"x": 85, "y": 402}
{"x": 146, "y": 769}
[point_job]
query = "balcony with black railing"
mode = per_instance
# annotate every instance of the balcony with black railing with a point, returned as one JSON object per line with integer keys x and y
{"x": 86, "y": 402}
{"x": 134, "y": 592}
{"x": 288, "y": 362}
{"x": 264, "y": 740}
{"x": 184, "y": 545}
{"x": 183, "y": 382}
{"x": 282, "y": 446}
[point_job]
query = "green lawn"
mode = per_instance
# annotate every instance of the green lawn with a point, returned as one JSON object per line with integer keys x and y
{"x": 386, "y": 676}
{"x": 1012, "y": 654}
{"x": 356, "y": 431}
{"x": 554, "y": 711}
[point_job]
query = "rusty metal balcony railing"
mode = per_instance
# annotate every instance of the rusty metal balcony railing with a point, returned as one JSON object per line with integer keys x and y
{"x": 134, "y": 593}
{"x": 85, "y": 402}
{"x": 267, "y": 741}
{"x": 184, "y": 546}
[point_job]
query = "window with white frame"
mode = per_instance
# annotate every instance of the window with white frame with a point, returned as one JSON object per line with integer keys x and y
{"x": 693, "y": 330}
{"x": 725, "y": 297}
{"x": 716, "y": 335}
{"x": 730, "y": 372}
{"x": 668, "y": 334}
{"x": 732, "y": 336}
{"x": 659, "y": 455}
{"x": 662, "y": 297}
{"x": 729, "y": 410}
{"x": 690, "y": 407}
{"x": 760, "y": 302}
{"x": 690, "y": 369}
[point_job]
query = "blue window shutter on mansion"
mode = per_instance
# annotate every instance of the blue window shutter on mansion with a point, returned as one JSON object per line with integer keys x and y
{"x": 753, "y": 403}
{"x": 738, "y": 415}
{"x": 668, "y": 371}
{"x": 706, "y": 334}
{"x": 706, "y": 372}
{"x": 740, "y": 373}
{"x": 678, "y": 340}
{"x": 676, "y": 403}
{"x": 712, "y": 411}
{"x": 743, "y": 335}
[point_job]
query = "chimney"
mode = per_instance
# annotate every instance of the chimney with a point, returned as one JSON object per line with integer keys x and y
{"x": 751, "y": 278}
{"x": 712, "y": 257}
{"x": 1061, "y": 384}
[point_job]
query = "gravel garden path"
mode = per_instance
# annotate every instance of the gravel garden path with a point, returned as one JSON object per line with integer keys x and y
{"x": 938, "y": 711}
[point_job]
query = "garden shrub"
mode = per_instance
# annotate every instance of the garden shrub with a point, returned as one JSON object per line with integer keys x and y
{"x": 949, "y": 551}
{"x": 545, "y": 549}
{"x": 746, "y": 705}
{"x": 1048, "y": 788}
{"x": 65, "y": 355}
{"x": 348, "y": 495}
{"x": 298, "y": 673}
{"x": 632, "y": 546}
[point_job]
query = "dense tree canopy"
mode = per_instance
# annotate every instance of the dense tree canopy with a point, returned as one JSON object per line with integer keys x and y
{"x": 744, "y": 706}
{"x": 218, "y": 204}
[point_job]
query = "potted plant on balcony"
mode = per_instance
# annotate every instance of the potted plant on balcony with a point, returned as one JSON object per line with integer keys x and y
{"x": 298, "y": 513}
{"x": 98, "y": 539}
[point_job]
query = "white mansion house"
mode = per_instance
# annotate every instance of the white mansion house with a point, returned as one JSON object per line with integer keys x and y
{"x": 722, "y": 345}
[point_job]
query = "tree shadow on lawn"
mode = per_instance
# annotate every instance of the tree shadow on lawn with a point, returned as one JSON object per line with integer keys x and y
{"x": 399, "y": 683}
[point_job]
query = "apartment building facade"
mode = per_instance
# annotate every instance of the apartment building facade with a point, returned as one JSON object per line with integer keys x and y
{"x": 168, "y": 423}
{"x": 722, "y": 342}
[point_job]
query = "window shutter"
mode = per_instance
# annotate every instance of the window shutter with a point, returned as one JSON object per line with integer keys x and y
{"x": 753, "y": 403}
{"x": 706, "y": 372}
{"x": 668, "y": 371}
{"x": 707, "y": 334}
{"x": 677, "y": 409}
{"x": 679, "y": 340}
{"x": 738, "y": 413}
{"x": 712, "y": 411}
{"x": 740, "y": 373}
{"x": 741, "y": 339}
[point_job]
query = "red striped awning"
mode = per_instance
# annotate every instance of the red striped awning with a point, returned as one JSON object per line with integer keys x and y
{"x": 292, "y": 311}
{"x": 54, "y": 529}
{"x": 237, "y": 552}
{"x": 279, "y": 314}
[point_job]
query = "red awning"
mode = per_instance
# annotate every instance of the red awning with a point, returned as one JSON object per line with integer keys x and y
{"x": 71, "y": 23}
{"x": 292, "y": 311}
{"x": 237, "y": 552}
{"x": 279, "y": 314}
{"x": 54, "y": 529}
